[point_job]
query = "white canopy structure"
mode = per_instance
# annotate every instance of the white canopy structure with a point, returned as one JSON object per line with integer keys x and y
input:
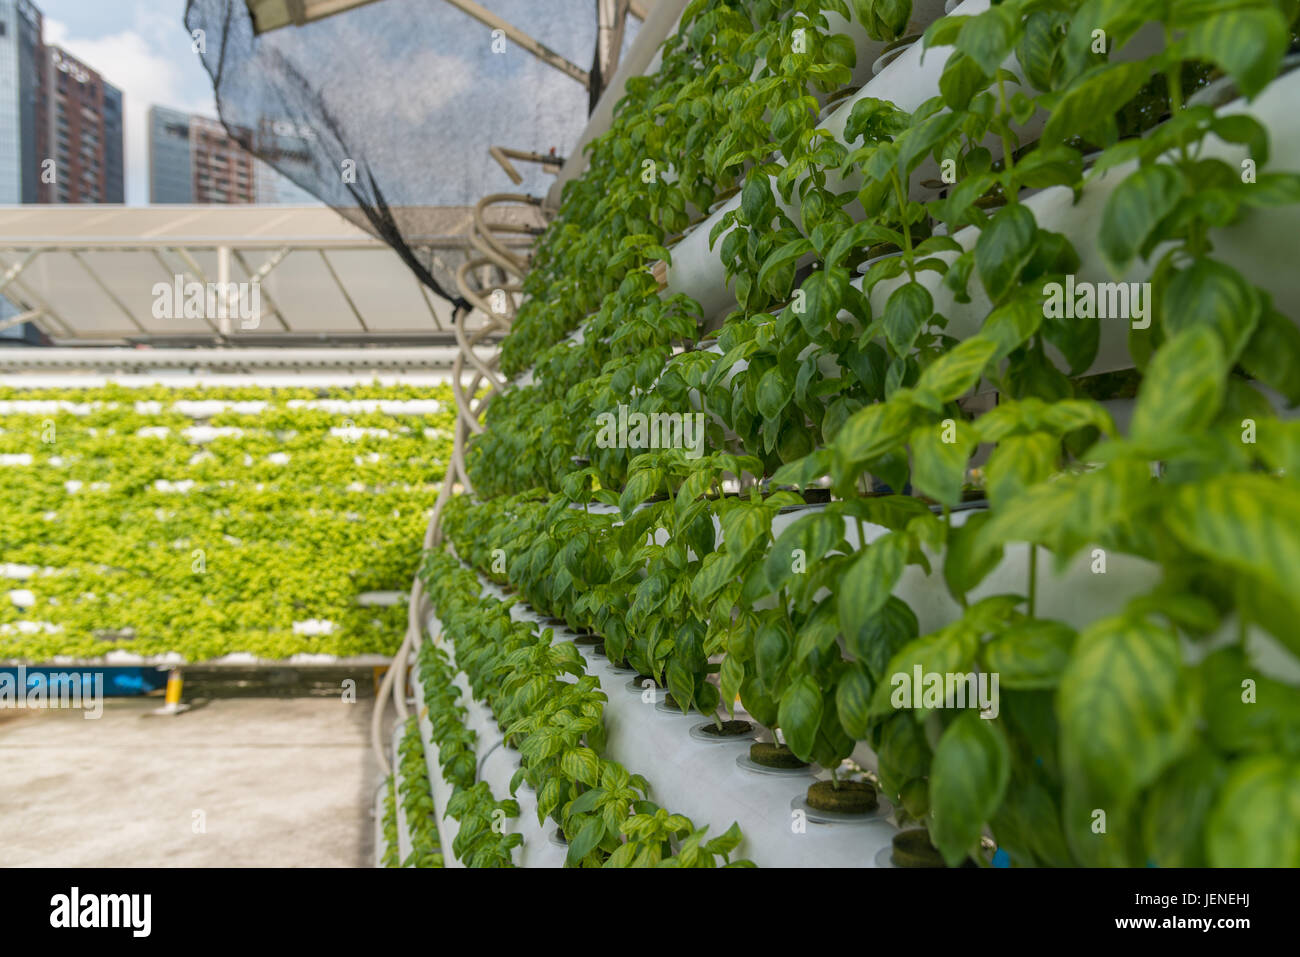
{"x": 95, "y": 275}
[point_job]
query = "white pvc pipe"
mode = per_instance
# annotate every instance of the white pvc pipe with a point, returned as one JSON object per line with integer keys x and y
{"x": 697, "y": 270}
{"x": 643, "y": 56}
{"x": 1259, "y": 247}
{"x": 701, "y": 779}
{"x": 907, "y": 82}
{"x": 497, "y": 764}
{"x": 448, "y": 827}
{"x": 403, "y": 829}
{"x": 381, "y": 842}
{"x": 252, "y": 357}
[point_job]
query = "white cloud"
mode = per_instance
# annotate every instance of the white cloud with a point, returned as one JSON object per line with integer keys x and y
{"x": 147, "y": 72}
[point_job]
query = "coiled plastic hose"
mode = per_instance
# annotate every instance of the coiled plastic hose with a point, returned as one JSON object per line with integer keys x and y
{"x": 472, "y": 397}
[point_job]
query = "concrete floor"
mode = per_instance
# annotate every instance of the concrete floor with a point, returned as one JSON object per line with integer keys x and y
{"x": 280, "y": 782}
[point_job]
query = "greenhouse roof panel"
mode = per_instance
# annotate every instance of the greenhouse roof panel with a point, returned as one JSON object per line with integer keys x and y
{"x": 94, "y": 274}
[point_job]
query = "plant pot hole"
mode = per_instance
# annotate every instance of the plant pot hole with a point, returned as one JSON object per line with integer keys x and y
{"x": 912, "y": 848}
{"x": 771, "y": 755}
{"x": 728, "y": 729}
{"x": 851, "y": 797}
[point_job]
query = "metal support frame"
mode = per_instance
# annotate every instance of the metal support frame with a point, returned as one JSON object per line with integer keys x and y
{"x": 261, "y": 273}
{"x": 29, "y": 300}
{"x": 611, "y": 19}
{"x": 223, "y": 284}
{"x": 424, "y": 294}
{"x": 14, "y": 271}
{"x": 276, "y": 358}
{"x": 185, "y": 274}
{"x": 271, "y": 15}
{"x": 103, "y": 286}
{"x": 19, "y": 319}
{"x": 264, "y": 270}
{"x": 343, "y": 289}
{"x": 542, "y": 52}
{"x": 503, "y": 155}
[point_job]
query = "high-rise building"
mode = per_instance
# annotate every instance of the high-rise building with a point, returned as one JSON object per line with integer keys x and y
{"x": 84, "y": 113}
{"x": 23, "y": 131}
{"x": 61, "y": 127}
{"x": 114, "y": 157}
{"x": 192, "y": 159}
{"x": 60, "y": 121}
{"x": 273, "y": 188}
{"x": 171, "y": 173}
{"x": 289, "y": 144}
{"x": 223, "y": 170}
{"x": 20, "y": 126}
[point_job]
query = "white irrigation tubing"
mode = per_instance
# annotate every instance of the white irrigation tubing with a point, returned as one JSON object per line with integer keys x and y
{"x": 470, "y": 404}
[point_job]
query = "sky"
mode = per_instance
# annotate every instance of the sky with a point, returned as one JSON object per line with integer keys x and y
{"x": 406, "y": 109}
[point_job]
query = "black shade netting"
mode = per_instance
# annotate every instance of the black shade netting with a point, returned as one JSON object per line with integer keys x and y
{"x": 386, "y": 112}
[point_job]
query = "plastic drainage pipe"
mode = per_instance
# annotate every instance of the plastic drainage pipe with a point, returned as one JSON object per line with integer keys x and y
{"x": 1075, "y": 595}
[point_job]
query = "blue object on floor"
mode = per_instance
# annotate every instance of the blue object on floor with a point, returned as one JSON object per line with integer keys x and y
{"x": 117, "y": 681}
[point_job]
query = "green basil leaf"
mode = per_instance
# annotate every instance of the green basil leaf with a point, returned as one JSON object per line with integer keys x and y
{"x": 800, "y": 715}
{"x": 1183, "y": 386}
{"x": 1126, "y": 708}
{"x": 867, "y": 583}
{"x": 1135, "y": 209}
{"x": 907, "y": 310}
{"x": 968, "y": 779}
{"x": 1256, "y": 822}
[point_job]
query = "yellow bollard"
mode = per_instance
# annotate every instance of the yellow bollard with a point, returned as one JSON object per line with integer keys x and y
{"x": 174, "y": 682}
{"x": 172, "y": 696}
